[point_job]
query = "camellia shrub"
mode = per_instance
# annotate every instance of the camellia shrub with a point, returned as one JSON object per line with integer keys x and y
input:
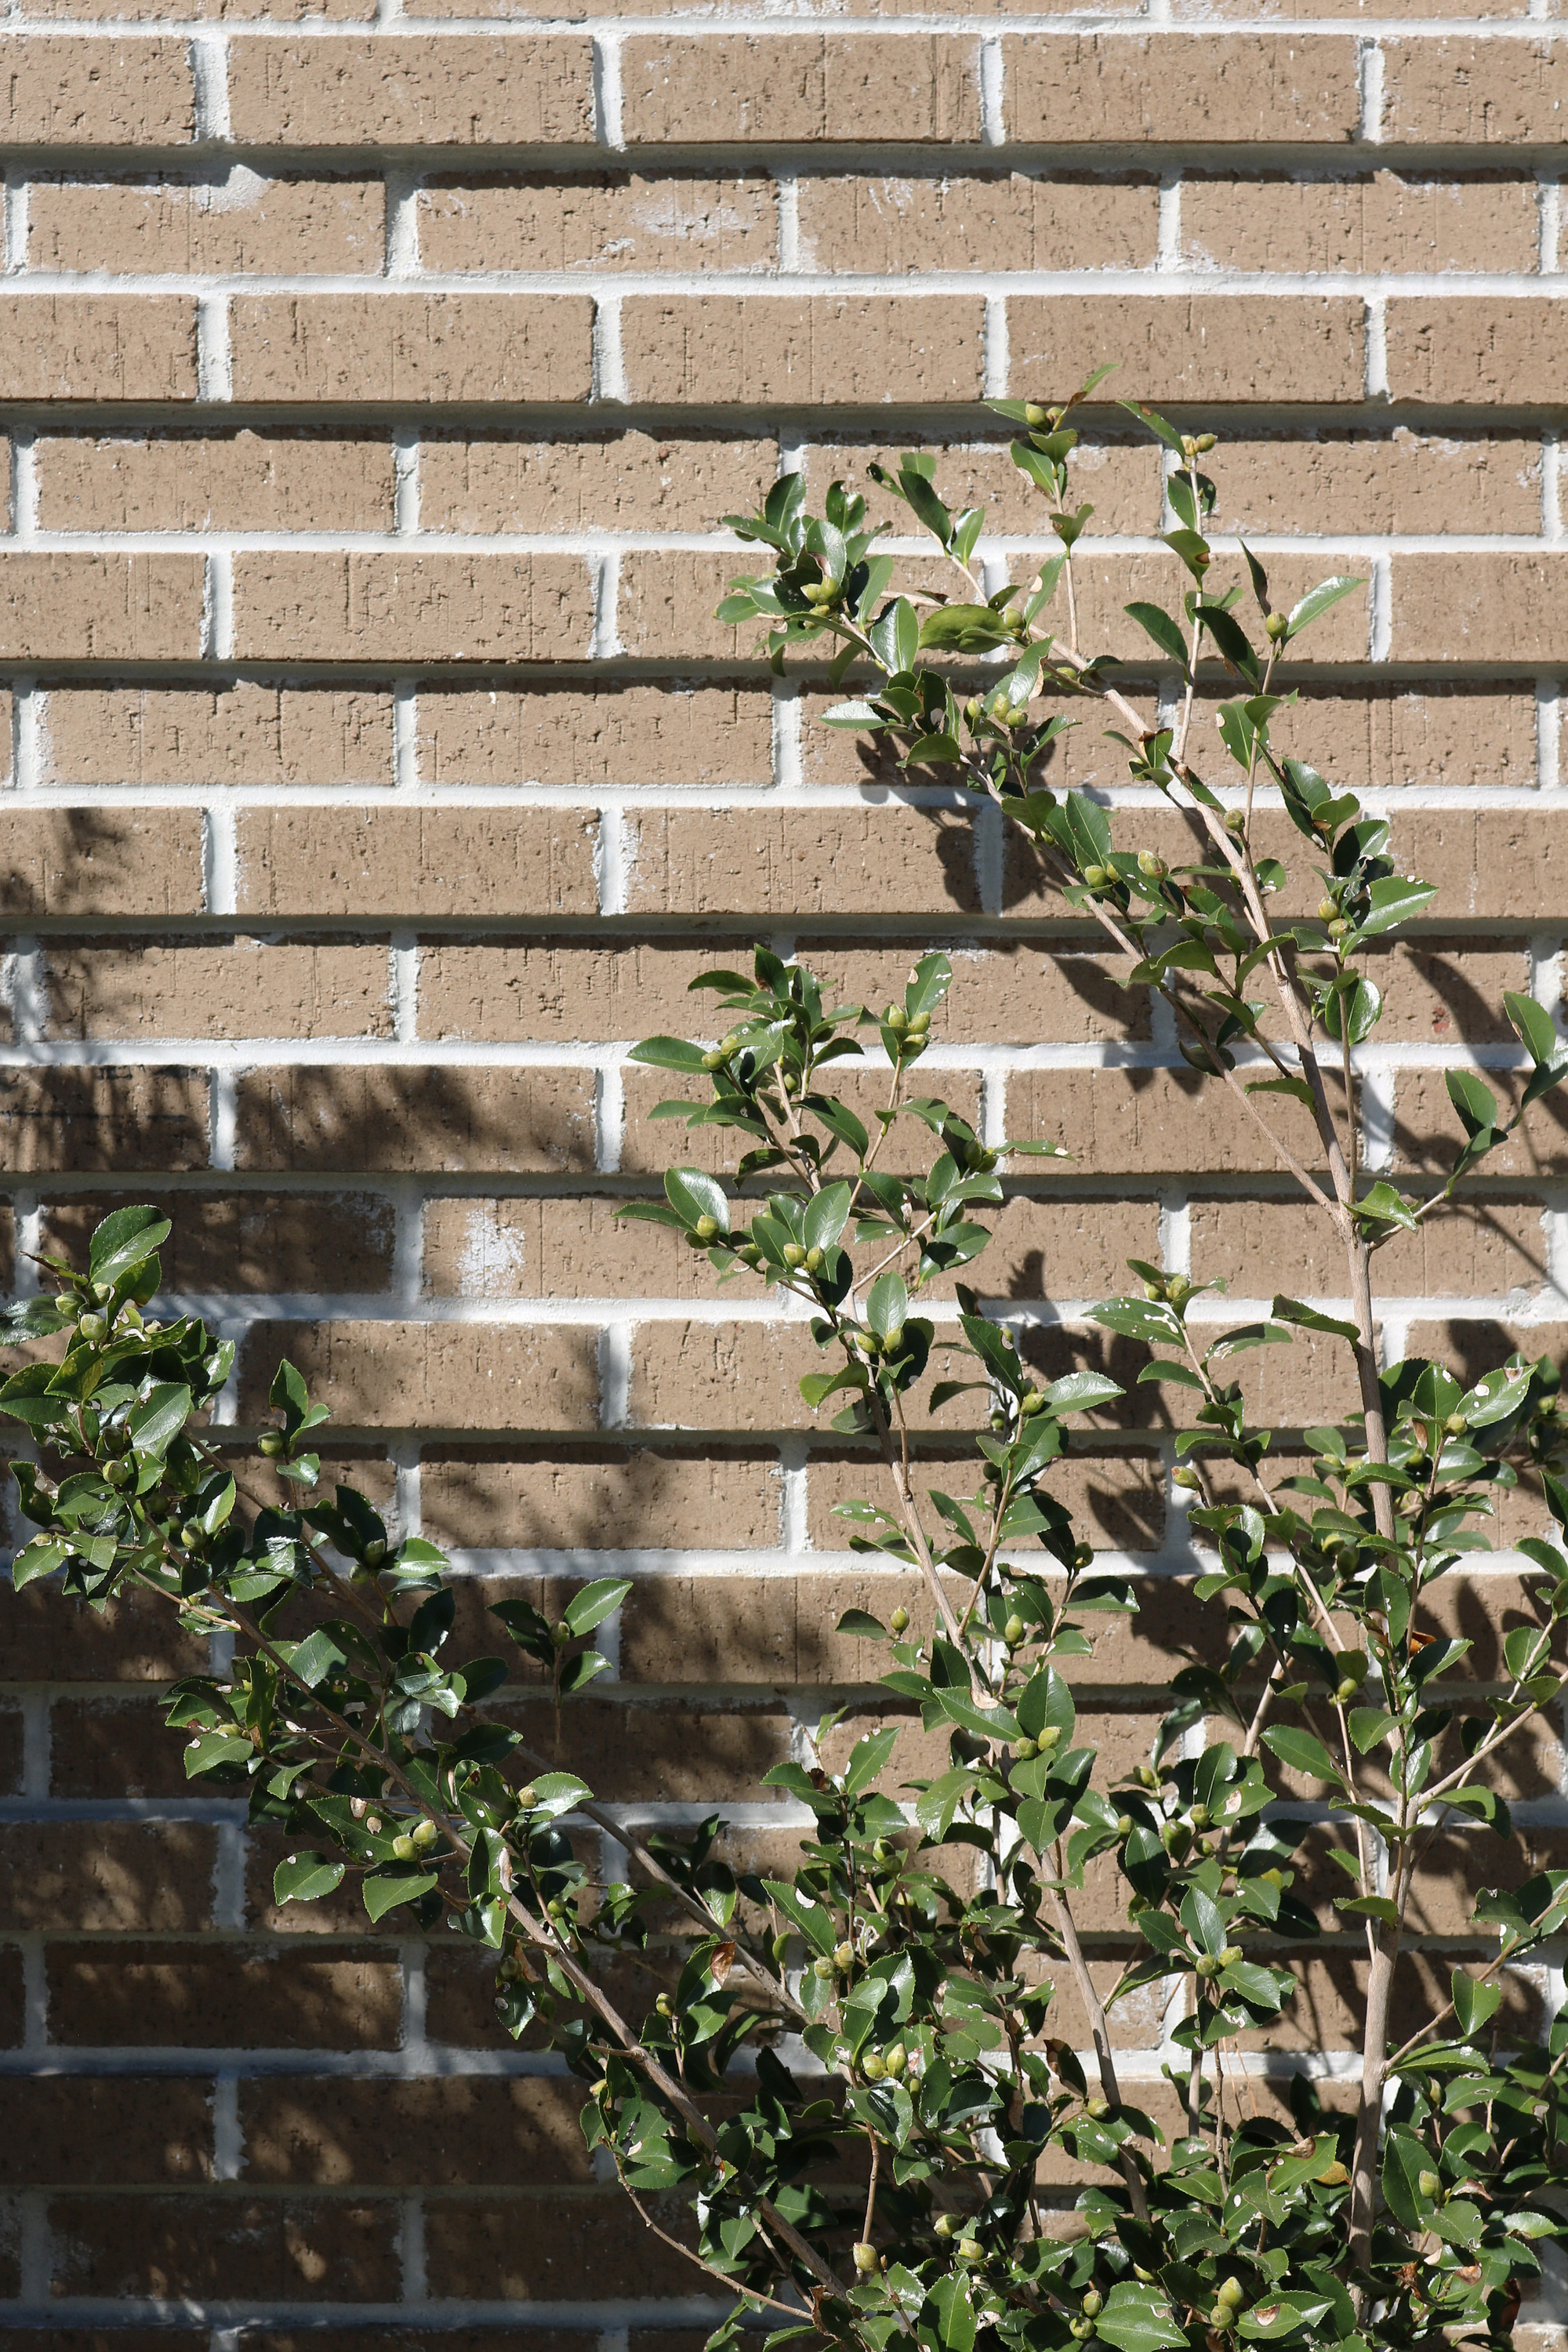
{"x": 847, "y": 2085}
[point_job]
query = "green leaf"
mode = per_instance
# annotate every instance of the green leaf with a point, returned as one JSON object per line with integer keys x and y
{"x": 1139, "y": 2319}
{"x": 154, "y": 1426}
{"x": 668, "y": 1054}
{"x": 209, "y": 1749}
{"x": 815, "y": 1921}
{"x": 1475, "y": 1103}
{"x": 1394, "y": 900}
{"x": 1384, "y": 1206}
{"x": 826, "y": 1216}
{"x": 887, "y": 1305}
{"x": 1159, "y": 626}
{"x": 1535, "y": 1025}
{"x": 42, "y": 1557}
{"x": 1317, "y": 602}
{"x": 124, "y": 1240}
{"x": 305, "y": 1878}
{"x": 385, "y": 1889}
{"x": 594, "y": 1602}
{"x": 1474, "y": 2003}
{"x": 964, "y": 629}
{"x": 693, "y": 1194}
{"x": 1302, "y": 1751}
{"x": 1290, "y": 1310}
{"x": 954, "y": 2313}
{"x": 868, "y": 1758}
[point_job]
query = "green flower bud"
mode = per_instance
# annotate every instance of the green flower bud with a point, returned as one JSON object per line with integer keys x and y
{"x": 92, "y": 1328}
{"x": 67, "y": 1302}
{"x": 1147, "y": 1776}
{"x": 1327, "y": 909}
{"x": 945, "y": 2225}
{"x": 714, "y": 1060}
{"x": 896, "y": 1017}
{"x": 1430, "y": 2184}
{"x": 919, "y": 1023}
{"x": 1034, "y": 415}
{"x": 1204, "y": 442}
{"x": 969, "y": 2249}
{"x": 272, "y": 1443}
{"x": 1201, "y": 1817}
{"x": 1123, "y": 1825}
{"x": 1098, "y": 877}
{"x": 899, "y": 1620}
{"x": 1014, "y": 1631}
{"x": 822, "y": 1968}
{"x": 192, "y": 1537}
{"x": 707, "y": 1229}
{"x": 1230, "y": 1955}
{"x": 119, "y": 1474}
{"x": 1092, "y": 2304}
{"x": 1097, "y": 2107}
{"x": 374, "y": 1552}
{"x": 894, "y": 1339}
{"x": 1206, "y": 1965}
{"x": 526, "y": 1797}
{"x": 867, "y": 2258}
{"x": 793, "y": 1254}
{"x": 1049, "y": 1738}
{"x": 402, "y": 1846}
{"x": 1338, "y": 928}
{"x": 1221, "y": 2317}
{"x": 1082, "y": 1555}
{"x": 814, "y": 1260}
{"x": 871, "y": 2066}
{"x": 1152, "y": 865}
{"x": 896, "y": 2060}
{"x": 425, "y": 1834}
{"x": 1024, "y": 1748}
{"x": 844, "y": 1956}
{"x": 1187, "y": 1478}
{"x": 1275, "y": 626}
{"x": 1236, "y": 821}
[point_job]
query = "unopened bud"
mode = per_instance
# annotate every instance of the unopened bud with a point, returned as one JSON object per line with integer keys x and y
{"x": 1014, "y": 1632}
{"x": 1186, "y": 1478}
{"x": 1152, "y": 868}
{"x": 867, "y": 2258}
{"x": 899, "y": 1620}
{"x": 1275, "y": 628}
{"x": 272, "y": 1443}
{"x": 706, "y": 1229}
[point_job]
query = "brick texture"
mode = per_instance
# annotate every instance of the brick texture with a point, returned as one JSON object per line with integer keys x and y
{"x": 377, "y": 771}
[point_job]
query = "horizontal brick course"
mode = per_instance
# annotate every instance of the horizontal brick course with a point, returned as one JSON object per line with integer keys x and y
{"x": 411, "y": 607}
{"x": 238, "y": 732}
{"x": 240, "y": 481}
{"x": 103, "y": 1118}
{"x": 798, "y": 86}
{"x": 609, "y": 734}
{"x": 469, "y": 90}
{"x": 426, "y": 861}
{"x": 914, "y": 223}
{"x": 330, "y": 1118}
{"x": 1473, "y": 353}
{"x": 625, "y": 222}
{"x": 1081, "y": 87}
{"x": 141, "y": 989}
{"x": 411, "y": 347}
{"x": 802, "y": 348}
{"x": 1204, "y": 347}
{"x": 243, "y": 225}
{"x": 439, "y": 1375}
{"x": 199, "y": 2247}
{"x": 1383, "y": 223}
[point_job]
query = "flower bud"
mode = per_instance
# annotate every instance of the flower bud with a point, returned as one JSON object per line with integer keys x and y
{"x": 867, "y": 2258}
{"x": 119, "y": 1473}
{"x": 1236, "y": 821}
{"x": 1031, "y": 1402}
{"x": 1034, "y": 415}
{"x": 814, "y": 1260}
{"x": 715, "y": 1060}
{"x": 871, "y": 2066}
{"x": 92, "y": 1328}
{"x": 190, "y": 1536}
{"x": 1201, "y": 1817}
{"x": 1092, "y": 2304}
{"x": 374, "y": 1552}
{"x": 272, "y": 1443}
{"x": 1151, "y": 866}
{"x": 1229, "y": 1955}
{"x": 894, "y": 1339}
{"x": 1014, "y": 1632}
{"x": 1327, "y": 909}
{"x": 1082, "y": 1555}
{"x": 969, "y": 2249}
{"x": 896, "y": 2060}
{"x": 1429, "y": 2183}
{"x": 1123, "y": 1825}
{"x": 1275, "y": 626}
{"x": 67, "y": 1302}
{"x": 1204, "y": 442}
{"x": 919, "y": 1024}
{"x": 1050, "y": 1738}
{"x": 402, "y": 1846}
{"x": 1097, "y": 2107}
{"x": 1023, "y": 1750}
{"x": 1096, "y": 877}
{"x": 899, "y": 1620}
{"x": 1221, "y": 2317}
{"x": 527, "y": 1798}
{"x": 793, "y": 1254}
{"x": 425, "y": 1834}
{"x": 706, "y": 1229}
{"x": 1187, "y": 1478}
{"x": 822, "y": 1968}
{"x": 844, "y": 1954}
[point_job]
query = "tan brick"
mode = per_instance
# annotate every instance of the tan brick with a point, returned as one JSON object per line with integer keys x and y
{"x": 98, "y": 347}
{"x": 439, "y": 2133}
{"x": 1479, "y": 608}
{"x": 106, "y": 1877}
{"x": 1119, "y": 480}
{"x": 114, "y": 1748}
{"x": 799, "y": 861}
{"x": 1428, "y": 734}
{"x": 412, "y": 347}
{"x": 803, "y": 348}
{"x": 1030, "y": 222}
{"x": 559, "y": 990}
{"x": 613, "y": 733}
{"x": 1507, "y": 864}
{"x": 43, "y": 1637}
{"x": 1484, "y": 1248}
{"x": 799, "y": 86}
{"x": 102, "y": 607}
{"x": 1427, "y": 1134}
{"x": 469, "y": 90}
{"x": 1207, "y": 347}
{"x": 388, "y": 606}
{"x": 1114, "y": 1120}
{"x": 577, "y": 1248}
{"x": 427, "y": 861}
{"x": 641, "y": 1500}
{"x": 239, "y": 732}
{"x": 1354, "y": 482}
{"x": 199, "y": 2247}
{"x": 80, "y": 2133}
{"x": 1060, "y": 1249}
{"x": 317, "y": 1118}
{"x": 1474, "y": 349}
{"x": 731, "y": 1628}
{"x": 542, "y": 2247}
{"x": 1082, "y": 87}
{"x": 92, "y": 861}
{"x": 1014, "y": 993}
{"x": 103, "y": 1118}
{"x": 143, "y": 988}
{"x": 667, "y": 603}
{"x": 598, "y": 221}
{"x": 1108, "y": 583}
{"x": 1474, "y": 93}
{"x": 608, "y": 481}
{"x": 137, "y": 12}
{"x": 1385, "y": 222}
{"x": 648, "y": 1146}
{"x": 432, "y": 1375}
{"x": 76, "y": 92}
{"x": 665, "y": 1752}
{"x": 240, "y": 481}
{"x": 222, "y": 1995}
{"x": 252, "y": 1241}
{"x": 242, "y": 224}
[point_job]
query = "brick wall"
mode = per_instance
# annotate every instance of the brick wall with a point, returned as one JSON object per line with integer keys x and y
{"x": 374, "y": 379}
